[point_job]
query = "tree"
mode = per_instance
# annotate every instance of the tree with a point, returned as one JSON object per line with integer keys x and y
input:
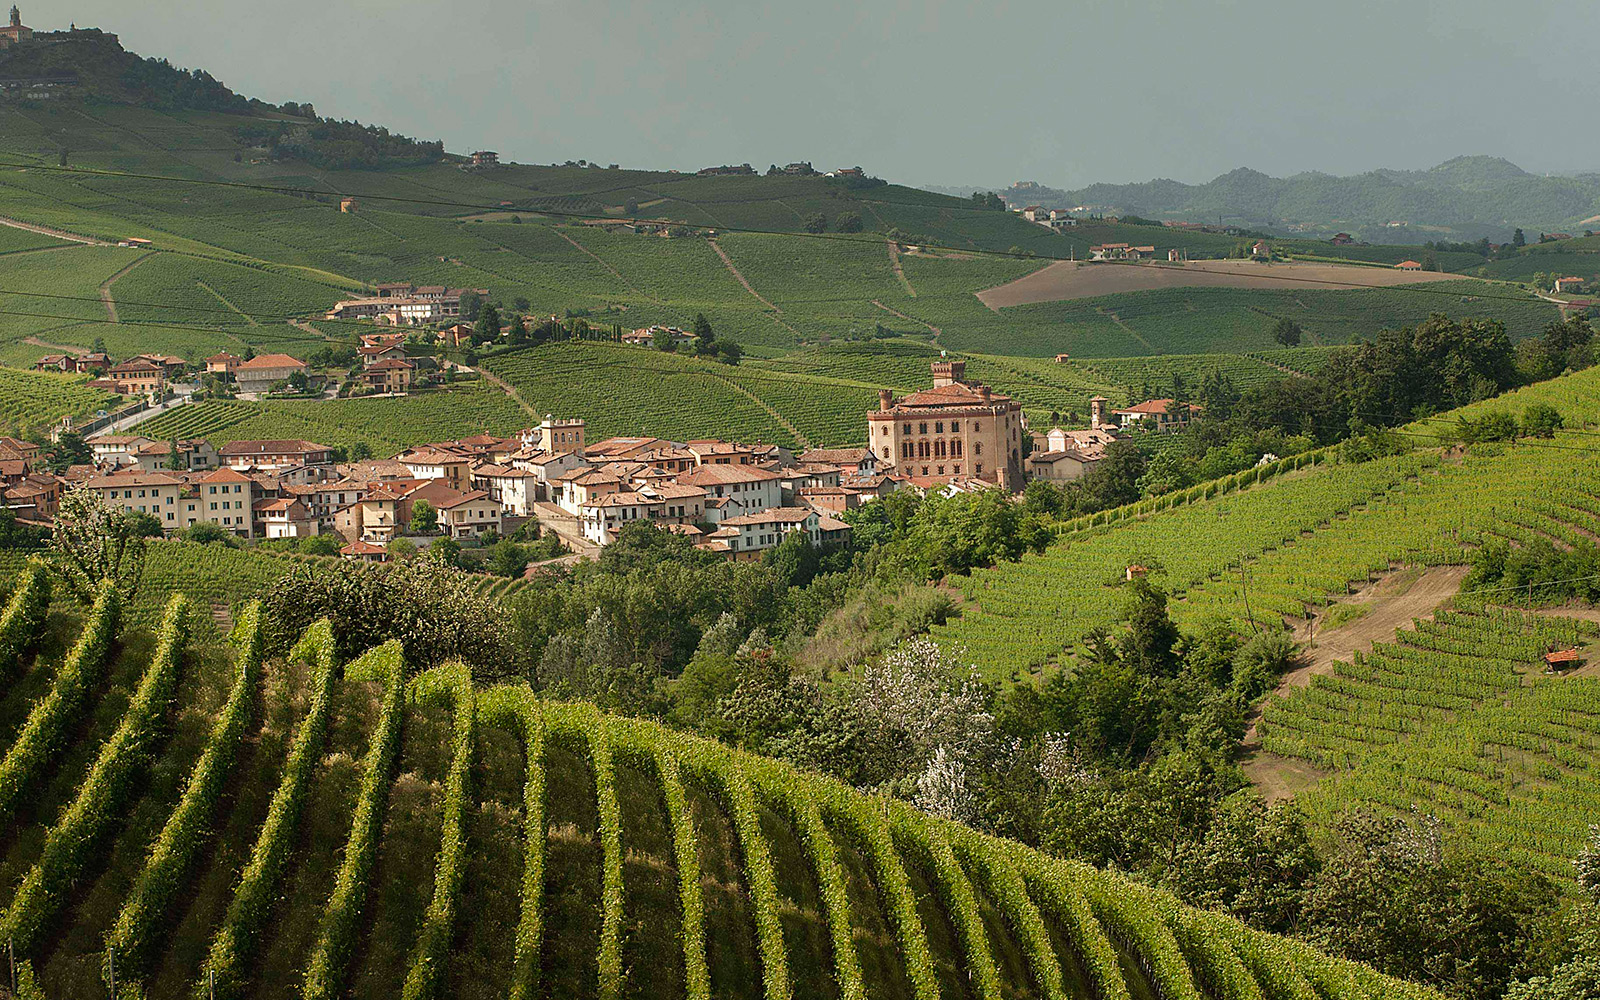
{"x": 847, "y": 222}
{"x": 816, "y": 222}
{"x": 249, "y": 353}
{"x": 705, "y": 337}
{"x": 1518, "y": 240}
{"x": 522, "y": 304}
{"x": 424, "y": 518}
{"x": 730, "y": 351}
{"x": 206, "y": 532}
{"x": 94, "y": 542}
{"x": 69, "y": 449}
{"x": 1287, "y": 332}
{"x": 471, "y": 303}
{"x": 664, "y": 340}
{"x": 360, "y": 451}
{"x": 1541, "y": 420}
{"x": 1150, "y": 645}
{"x": 15, "y": 536}
{"x": 487, "y": 329}
{"x": 506, "y": 558}
{"x": 435, "y": 611}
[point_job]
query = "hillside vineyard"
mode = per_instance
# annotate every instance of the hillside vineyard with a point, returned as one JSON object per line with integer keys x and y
{"x": 165, "y": 806}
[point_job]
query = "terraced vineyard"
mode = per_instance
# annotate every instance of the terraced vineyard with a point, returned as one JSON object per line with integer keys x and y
{"x": 1456, "y": 717}
{"x": 632, "y": 391}
{"x": 385, "y": 425}
{"x": 1300, "y": 538}
{"x": 36, "y": 401}
{"x": 224, "y": 821}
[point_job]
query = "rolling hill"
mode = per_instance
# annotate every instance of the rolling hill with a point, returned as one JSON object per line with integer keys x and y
{"x": 196, "y": 819}
{"x": 1464, "y": 198}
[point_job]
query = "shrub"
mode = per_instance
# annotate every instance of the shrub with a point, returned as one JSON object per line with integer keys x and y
{"x": 138, "y": 925}
{"x": 341, "y": 921}
{"x": 70, "y": 846}
{"x": 226, "y": 964}
{"x": 44, "y": 735}
{"x": 452, "y": 683}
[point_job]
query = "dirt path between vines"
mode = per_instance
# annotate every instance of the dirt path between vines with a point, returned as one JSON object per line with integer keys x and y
{"x": 504, "y": 386}
{"x": 105, "y": 286}
{"x": 937, "y": 333}
{"x": 1394, "y": 601}
{"x": 740, "y": 278}
{"x": 900, "y": 272}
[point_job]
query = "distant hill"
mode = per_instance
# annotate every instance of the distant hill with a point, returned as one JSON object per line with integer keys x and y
{"x": 1464, "y": 198}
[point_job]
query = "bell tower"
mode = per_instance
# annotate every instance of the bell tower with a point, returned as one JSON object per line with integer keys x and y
{"x": 16, "y": 17}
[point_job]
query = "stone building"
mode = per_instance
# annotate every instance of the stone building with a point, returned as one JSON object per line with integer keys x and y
{"x": 955, "y": 430}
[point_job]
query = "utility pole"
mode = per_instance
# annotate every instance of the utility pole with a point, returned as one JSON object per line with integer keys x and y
{"x": 1244, "y": 586}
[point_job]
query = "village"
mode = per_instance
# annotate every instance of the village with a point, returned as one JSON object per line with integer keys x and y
{"x": 735, "y": 499}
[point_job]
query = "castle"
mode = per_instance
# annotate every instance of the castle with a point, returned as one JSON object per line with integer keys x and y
{"x": 15, "y": 32}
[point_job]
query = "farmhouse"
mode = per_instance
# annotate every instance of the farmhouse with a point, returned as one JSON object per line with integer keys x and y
{"x": 1569, "y": 284}
{"x": 263, "y": 371}
{"x": 222, "y": 364}
{"x": 139, "y": 378}
{"x": 1409, "y": 265}
{"x": 272, "y": 455}
{"x": 390, "y": 375}
{"x": 951, "y": 431}
{"x": 1162, "y": 414}
{"x": 286, "y": 517}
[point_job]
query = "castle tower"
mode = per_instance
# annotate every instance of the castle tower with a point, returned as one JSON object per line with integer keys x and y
{"x": 1097, "y": 412}
{"x": 16, "y": 17}
{"x": 948, "y": 372}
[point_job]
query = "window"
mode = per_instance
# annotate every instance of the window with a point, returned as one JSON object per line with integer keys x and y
{"x": 941, "y": 470}
{"x": 955, "y": 447}
{"x": 938, "y": 427}
{"x": 886, "y": 453}
{"x": 977, "y": 447}
{"x": 957, "y": 470}
{"x": 213, "y": 506}
{"x": 908, "y": 429}
{"x": 141, "y": 497}
{"x": 922, "y": 428}
{"x": 978, "y": 468}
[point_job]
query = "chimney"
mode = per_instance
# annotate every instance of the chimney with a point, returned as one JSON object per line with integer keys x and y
{"x": 983, "y": 393}
{"x": 1097, "y": 412}
{"x": 885, "y": 400}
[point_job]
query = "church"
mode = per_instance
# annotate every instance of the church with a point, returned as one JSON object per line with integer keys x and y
{"x": 15, "y": 32}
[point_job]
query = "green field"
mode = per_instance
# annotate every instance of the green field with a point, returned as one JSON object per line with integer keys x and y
{"x": 36, "y": 401}
{"x": 385, "y": 425}
{"x": 358, "y": 832}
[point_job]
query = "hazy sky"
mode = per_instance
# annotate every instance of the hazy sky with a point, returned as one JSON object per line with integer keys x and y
{"x": 1064, "y": 92}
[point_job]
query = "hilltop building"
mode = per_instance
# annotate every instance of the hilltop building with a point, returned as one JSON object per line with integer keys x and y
{"x": 953, "y": 431}
{"x": 16, "y": 32}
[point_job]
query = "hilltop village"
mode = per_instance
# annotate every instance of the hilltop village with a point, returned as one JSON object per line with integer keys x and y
{"x": 738, "y": 499}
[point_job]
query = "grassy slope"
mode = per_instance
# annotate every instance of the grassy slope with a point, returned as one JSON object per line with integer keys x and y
{"x": 237, "y": 261}
{"x": 789, "y": 865}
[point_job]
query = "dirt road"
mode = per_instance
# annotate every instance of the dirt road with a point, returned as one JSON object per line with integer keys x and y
{"x": 1066, "y": 280}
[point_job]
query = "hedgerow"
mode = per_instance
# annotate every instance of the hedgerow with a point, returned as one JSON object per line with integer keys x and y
{"x": 956, "y": 894}
{"x": 452, "y": 683}
{"x": 818, "y": 845}
{"x": 1010, "y": 894}
{"x": 70, "y": 845}
{"x": 519, "y": 710}
{"x": 732, "y": 786}
{"x": 225, "y": 972}
{"x": 138, "y": 926}
{"x": 22, "y": 623}
{"x": 341, "y": 920}
{"x": 43, "y": 735}
{"x": 686, "y": 852}
{"x": 864, "y": 819}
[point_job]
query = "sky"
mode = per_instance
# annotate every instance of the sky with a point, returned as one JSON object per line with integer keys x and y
{"x": 1063, "y": 92}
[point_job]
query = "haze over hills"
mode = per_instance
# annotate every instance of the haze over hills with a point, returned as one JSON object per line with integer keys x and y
{"x": 1461, "y": 199}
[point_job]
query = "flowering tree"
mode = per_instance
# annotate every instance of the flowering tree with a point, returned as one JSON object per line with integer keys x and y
{"x": 94, "y": 542}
